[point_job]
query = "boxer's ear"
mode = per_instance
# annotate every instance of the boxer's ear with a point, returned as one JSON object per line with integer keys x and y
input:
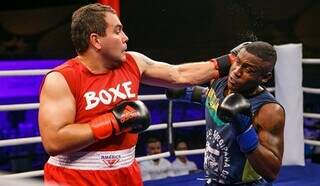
{"x": 94, "y": 40}
{"x": 266, "y": 77}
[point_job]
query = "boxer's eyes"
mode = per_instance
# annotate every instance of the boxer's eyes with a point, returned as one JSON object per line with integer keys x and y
{"x": 118, "y": 29}
{"x": 246, "y": 67}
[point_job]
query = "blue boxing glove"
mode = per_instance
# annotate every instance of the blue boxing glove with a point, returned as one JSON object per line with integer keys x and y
{"x": 236, "y": 110}
{"x": 195, "y": 94}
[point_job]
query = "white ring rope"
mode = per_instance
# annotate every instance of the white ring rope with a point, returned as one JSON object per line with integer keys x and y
{"x": 28, "y": 106}
{"x": 152, "y": 157}
{"x": 311, "y": 90}
{"x": 36, "y": 72}
{"x": 271, "y": 89}
{"x": 167, "y": 154}
{"x": 157, "y": 127}
{"x": 304, "y": 89}
{"x": 152, "y": 97}
{"x": 312, "y": 142}
{"x": 20, "y": 141}
{"x": 25, "y": 106}
{"x": 29, "y": 174}
{"x": 32, "y": 72}
{"x": 311, "y": 61}
{"x": 189, "y": 152}
{"x": 31, "y": 140}
{"x": 311, "y": 115}
{"x": 189, "y": 123}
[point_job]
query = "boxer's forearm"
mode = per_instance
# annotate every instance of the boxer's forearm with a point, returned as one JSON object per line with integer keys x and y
{"x": 175, "y": 76}
{"x": 70, "y": 138}
{"x": 164, "y": 74}
{"x": 196, "y": 73}
{"x": 265, "y": 163}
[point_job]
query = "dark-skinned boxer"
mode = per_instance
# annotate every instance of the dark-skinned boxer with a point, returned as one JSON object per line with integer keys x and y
{"x": 245, "y": 124}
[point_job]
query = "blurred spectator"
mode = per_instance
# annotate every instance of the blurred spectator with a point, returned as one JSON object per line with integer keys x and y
{"x": 20, "y": 155}
{"x": 181, "y": 165}
{"x": 157, "y": 168}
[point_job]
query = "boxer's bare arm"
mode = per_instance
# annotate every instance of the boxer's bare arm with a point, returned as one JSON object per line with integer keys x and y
{"x": 267, "y": 158}
{"x": 56, "y": 118}
{"x": 173, "y": 76}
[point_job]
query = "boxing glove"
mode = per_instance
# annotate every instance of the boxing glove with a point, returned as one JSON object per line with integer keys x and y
{"x": 236, "y": 110}
{"x": 224, "y": 62}
{"x": 128, "y": 116}
{"x": 235, "y": 51}
{"x": 195, "y": 94}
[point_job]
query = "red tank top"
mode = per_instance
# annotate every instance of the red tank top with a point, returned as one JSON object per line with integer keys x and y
{"x": 96, "y": 94}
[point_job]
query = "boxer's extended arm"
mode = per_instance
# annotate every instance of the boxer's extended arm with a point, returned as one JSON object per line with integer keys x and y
{"x": 57, "y": 111}
{"x": 174, "y": 76}
{"x": 267, "y": 157}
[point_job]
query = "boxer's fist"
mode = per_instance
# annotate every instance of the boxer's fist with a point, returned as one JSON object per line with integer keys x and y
{"x": 236, "y": 110}
{"x": 128, "y": 116}
{"x": 131, "y": 116}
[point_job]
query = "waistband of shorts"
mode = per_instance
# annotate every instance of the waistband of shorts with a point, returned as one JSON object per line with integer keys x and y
{"x": 95, "y": 160}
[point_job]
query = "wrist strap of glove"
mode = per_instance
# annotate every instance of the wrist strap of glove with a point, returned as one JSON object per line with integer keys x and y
{"x": 199, "y": 95}
{"x": 248, "y": 141}
{"x": 188, "y": 96}
{"x": 223, "y": 63}
{"x": 195, "y": 94}
{"x": 103, "y": 126}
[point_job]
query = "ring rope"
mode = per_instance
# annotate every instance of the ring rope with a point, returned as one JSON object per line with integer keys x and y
{"x": 271, "y": 89}
{"x": 311, "y": 61}
{"x": 154, "y": 156}
{"x": 189, "y": 123}
{"x": 37, "y": 139}
{"x": 311, "y": 90}
{"x": 36, "y": 72}
{"x": 27, "y": 106}
{"x": 32, "y": 72}
{"x": 30, "y": 140}
{"x": 31, "y": 174}
{"x": 28, "y": 174}
{"x": 20, "y": 141}
{"x": 304, "y": 89}
{"x": 157, "y": 127}
{"x": 189, "y": 152}
{"x": 14, "y": 107}
{"x": 311, "y": 115}
{"x": 312, "y": 142}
